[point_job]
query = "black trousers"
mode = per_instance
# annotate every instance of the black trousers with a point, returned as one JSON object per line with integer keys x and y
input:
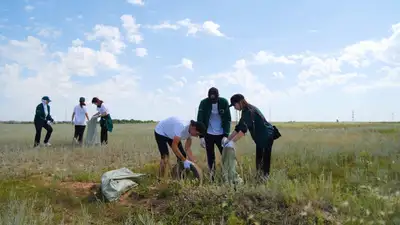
{"x": 162, "y": 142}
{"x": 79, "y": 130}
{"x": 212, "y": 140}
{"x": 103, "y": 134}
{"x": 38, "y": 126}
{"x": 263, "y": 158}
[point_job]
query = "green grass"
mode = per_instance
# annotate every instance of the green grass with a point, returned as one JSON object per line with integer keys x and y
{"x": 322, "y": 173}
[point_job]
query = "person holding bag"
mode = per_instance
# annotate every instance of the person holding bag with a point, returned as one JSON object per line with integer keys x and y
{"x": 78, "y": 119}
{"x": 262, "y": 132}
{"x": 214, "y": 113}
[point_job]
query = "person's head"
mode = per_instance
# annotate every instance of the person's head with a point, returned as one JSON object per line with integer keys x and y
{"x": 238, "y": 101}
{"x": 213, "y": 95}
{"x": 82, "y": 101}
{"x": 96, "y": 101}
{"x": 46, "y": 100}
{"x": 196, "y": 128}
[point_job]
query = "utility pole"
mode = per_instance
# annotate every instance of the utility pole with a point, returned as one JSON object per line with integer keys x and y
{"x": 352, "y": 115}
{"x": 66, "y": 115}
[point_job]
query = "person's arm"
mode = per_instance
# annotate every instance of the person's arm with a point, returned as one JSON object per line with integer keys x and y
{"x": 240, "y": 130}
{"x": 188, "y": 144}
{"x": 86, "y": 113}
{"x": 72, "y": 117}
{"x": 175, "y": 148}
{"x": 227, "y": 118}
{"x": 49, "y": 117}
{"x": 200, "y": 114}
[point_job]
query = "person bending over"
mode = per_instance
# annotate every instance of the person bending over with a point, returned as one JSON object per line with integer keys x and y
{"x": 172, "y": 131}
{"x": 262, "y": 133}
{"x": 106, "y": 123}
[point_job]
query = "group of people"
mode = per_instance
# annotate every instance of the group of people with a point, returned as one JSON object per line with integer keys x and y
{"x": 43, "y": 119}
{"x": 213, "y": 127}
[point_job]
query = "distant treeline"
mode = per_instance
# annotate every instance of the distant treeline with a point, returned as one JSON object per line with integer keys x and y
{"x": 116, "y": 121}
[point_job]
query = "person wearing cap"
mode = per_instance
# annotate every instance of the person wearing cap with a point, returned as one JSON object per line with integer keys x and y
{"x": 214, "y": 112}
{"x": 262, "y": 132}
{"x": 78, "y": 119}
{"x": 106, "y": 123}
{"x": 171, "y": 131}
{"x": 44, "y": 120}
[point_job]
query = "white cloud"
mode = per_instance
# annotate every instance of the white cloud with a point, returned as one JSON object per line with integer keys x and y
{"x": 109, "y": 36}
{"x": 49, "y": 32}
{"x": 29, "y": 8}
{"x": 136, "y": 2}
{"x": 212, "y": 28}
{"x": 131, "y": 28}
{"x": 163, "y": 25}
{"x": 208, "y": 27}
{"x": 263, "y": 57}
{"x": 187, "y": 63}
{"x": 278, "y": 75}
{"x": 141, "y": 52}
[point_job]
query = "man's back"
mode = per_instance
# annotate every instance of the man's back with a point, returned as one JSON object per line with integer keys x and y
{"x": 171, "y": 127}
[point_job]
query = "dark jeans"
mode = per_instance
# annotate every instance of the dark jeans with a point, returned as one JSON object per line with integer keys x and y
{"x": 38, "y": 126}
{"x": 79, "y": 130}
{"x": 263, "y": 158}
{"x": 103, "y": 134}
{"x": 212, "y": 140}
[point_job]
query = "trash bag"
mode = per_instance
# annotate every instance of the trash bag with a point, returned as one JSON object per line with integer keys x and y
{"x": 180, "y": 172}
{"x": 92, "y": 136}
{"x": 114, "y": 183}
{"x": 229, "y": 173}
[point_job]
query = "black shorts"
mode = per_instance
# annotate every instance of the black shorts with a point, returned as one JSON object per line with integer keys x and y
{"x": 162, "y": 142}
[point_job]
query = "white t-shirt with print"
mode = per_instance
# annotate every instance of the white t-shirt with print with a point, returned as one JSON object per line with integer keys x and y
{"x": 102, "y": 109}
{"x": 215, "y": 123}
{"x": 80, "y": 117}
{"x": 172, "y": 127}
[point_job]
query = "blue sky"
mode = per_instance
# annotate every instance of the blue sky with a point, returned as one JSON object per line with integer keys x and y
{"x": 306, "y": 60}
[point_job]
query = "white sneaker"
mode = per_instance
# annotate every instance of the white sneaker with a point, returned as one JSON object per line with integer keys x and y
{"x": 47, "y": 144}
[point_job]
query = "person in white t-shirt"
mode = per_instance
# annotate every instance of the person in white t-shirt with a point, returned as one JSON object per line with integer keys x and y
{"x": 106, "y": 123}
{"x": 172, "y": 131}
{"x": 79, "y": 117}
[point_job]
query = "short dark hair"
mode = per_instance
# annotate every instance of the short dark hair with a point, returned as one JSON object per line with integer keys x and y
{"x": 200, "y": 127}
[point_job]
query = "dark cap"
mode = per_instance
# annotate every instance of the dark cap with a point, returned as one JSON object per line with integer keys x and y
{"x": 200, "y": 127}
{"x": 81, "y": 99}
{"x": 213, "y": 93}
{"x": 46, "y": 98}
{"x": 235, "y": 99}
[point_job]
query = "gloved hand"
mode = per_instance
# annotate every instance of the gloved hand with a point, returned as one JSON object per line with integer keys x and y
{"x": 49, "y": 123}
{"x": 202, "y": 143}
{"x": 224, "y": 141}
{"x": 186, "y": 164}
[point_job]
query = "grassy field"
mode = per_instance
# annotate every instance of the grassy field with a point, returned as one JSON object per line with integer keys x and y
{"x": 322, "y": 173}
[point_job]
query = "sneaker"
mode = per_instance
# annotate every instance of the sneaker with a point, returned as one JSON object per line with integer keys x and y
{"x": 47, "y": 144}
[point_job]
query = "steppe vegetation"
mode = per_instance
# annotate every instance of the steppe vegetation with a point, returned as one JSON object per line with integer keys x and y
{"x": 322, "y": 173}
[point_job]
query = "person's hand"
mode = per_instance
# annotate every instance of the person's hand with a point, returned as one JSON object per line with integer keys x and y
{"x": 202, "y": 143}
{"x": 224, "y": 141}
{"x": 49, "y": 123}
{"x": 186, "y": 164}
